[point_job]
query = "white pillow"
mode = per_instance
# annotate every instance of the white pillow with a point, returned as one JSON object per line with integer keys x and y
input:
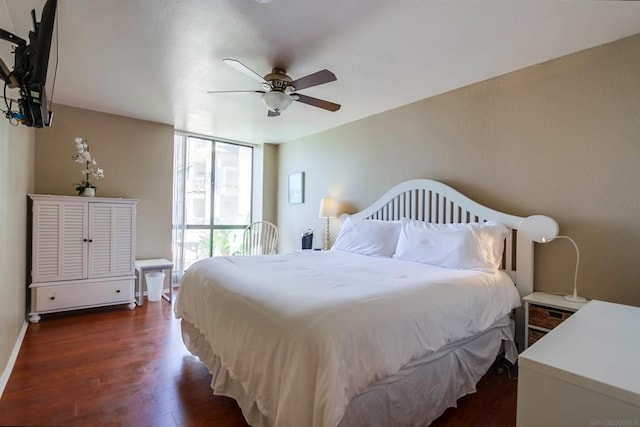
{"x": 490, "y": 237}
{"x": 368, "y": 237}
{"x": 462, "y": 246}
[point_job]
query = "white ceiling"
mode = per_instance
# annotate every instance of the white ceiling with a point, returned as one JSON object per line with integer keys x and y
{"x": 155, "y": 59}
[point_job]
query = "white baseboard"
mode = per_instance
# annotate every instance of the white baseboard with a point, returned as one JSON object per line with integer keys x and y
{"x": 4, "y": 379}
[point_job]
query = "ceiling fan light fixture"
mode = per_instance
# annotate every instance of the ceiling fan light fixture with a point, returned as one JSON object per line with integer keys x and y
{"x": 276, "y": 101}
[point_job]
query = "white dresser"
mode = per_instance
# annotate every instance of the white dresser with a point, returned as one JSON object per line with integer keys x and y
{"x": 584, "y": 372}
{"x": 82, "y": 252}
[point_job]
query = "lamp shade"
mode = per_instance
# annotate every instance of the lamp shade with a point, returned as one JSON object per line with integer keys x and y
{"x": 539, "y": 228}
{"x": 328, "y": 208}
{"x": 276, "y": 101}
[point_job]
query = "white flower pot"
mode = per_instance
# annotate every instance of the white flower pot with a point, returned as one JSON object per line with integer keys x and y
{"x": 89, "y": 192}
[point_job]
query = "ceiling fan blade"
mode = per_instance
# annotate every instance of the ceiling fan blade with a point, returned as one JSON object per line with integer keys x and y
{"x": 320, "y": 103}
{"x": 235, "y": 91}
{"x": 239, "y": 66}
{"x": 273, "y": 113}
{"x": 315, "y": 79}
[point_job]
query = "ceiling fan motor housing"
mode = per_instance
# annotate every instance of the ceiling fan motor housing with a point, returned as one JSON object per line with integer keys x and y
{"x": 279, "y": 80}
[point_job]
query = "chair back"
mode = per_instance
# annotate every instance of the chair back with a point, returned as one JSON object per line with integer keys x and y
{"x": 260, "y": 238}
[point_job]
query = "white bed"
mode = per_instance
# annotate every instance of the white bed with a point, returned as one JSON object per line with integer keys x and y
{"x": 336, "y": 338}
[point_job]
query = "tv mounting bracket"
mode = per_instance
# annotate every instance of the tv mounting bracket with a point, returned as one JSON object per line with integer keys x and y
{"x": 5, "y": 74}
{"x": 10, "y": 37}
{"x": 6, "y": 35}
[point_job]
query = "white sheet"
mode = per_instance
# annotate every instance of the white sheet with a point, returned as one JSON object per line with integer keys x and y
{"x": 305, "y": 333}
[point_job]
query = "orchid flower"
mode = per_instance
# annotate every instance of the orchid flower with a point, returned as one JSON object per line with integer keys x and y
{"x": 91, "y": 169}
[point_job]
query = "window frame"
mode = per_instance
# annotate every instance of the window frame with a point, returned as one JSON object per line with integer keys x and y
{"x": 212, "y": 226}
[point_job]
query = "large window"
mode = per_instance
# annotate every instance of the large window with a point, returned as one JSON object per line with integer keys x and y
{"x": 212, "y": 198}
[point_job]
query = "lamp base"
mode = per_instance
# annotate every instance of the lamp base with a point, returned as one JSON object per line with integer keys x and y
{"x": 575, "y": 298}
{"x": 327, "y": 237}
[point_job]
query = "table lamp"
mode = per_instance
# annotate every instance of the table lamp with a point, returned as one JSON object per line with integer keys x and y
{"x": 328, "y": 209}
{"x": 574, "y": 297}
{"x": 543, "y": 229}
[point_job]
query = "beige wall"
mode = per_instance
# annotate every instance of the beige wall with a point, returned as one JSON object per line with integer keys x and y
{"x": 16, "y": 180}
{"x": 136, "y": 155}
{"x": 561, "y": 138}
{"x": 269, "y": 182}
{"x": 265, "y": 183}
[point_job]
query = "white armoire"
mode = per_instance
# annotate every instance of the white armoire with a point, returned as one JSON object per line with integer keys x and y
{"x": 82, "y": 253}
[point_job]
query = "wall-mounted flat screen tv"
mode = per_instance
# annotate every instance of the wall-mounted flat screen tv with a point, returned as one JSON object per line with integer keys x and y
{"x": 33, "y": 72}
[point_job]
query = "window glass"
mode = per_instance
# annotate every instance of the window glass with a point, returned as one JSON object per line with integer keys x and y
{"x": 227, "y": 242}
{"x": 196, "y": 245}
{"x": 198, "y": 182}
{"x": 232, "y": 185}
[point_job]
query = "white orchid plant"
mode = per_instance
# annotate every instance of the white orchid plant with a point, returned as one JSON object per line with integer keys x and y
{"x": 91, "y": 166}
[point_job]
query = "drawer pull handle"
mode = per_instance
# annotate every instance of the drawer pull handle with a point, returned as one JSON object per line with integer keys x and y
{"x": 555, "y": 314}
{"x": 85, "y": 240}
{"x": 118, "y": 291}
{"x": 52, "y": 298}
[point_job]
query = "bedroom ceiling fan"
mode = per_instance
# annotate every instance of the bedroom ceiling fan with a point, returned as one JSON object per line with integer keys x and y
{"x": 280, "y": 90}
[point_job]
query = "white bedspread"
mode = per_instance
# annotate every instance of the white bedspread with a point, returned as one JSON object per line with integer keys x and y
{"x": 305, "y": 333}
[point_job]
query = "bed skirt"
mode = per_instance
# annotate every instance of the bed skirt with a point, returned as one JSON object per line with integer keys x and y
{"x": 415, "y": 396}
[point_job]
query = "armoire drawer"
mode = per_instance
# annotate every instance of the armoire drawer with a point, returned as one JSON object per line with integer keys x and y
{"x": 48, "y": 298}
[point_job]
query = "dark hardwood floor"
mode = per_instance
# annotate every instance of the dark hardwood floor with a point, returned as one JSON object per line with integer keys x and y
{"x": 120, "y": 367}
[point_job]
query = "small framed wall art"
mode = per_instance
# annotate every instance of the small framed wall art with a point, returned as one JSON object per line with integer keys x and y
{"x": 296, "y": 188}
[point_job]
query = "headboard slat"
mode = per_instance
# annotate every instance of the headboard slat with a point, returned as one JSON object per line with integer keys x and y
{"x": 433, "y": 208}
{"x": 508, "y": 250}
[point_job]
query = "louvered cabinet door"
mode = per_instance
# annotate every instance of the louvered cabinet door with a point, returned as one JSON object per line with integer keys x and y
{"x": 111, "y": 239}
{"x": 59, "y": 247}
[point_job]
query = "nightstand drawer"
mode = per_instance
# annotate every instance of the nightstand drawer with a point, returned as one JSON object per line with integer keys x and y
{"x": 535, "y": 335}
{"x": 547, "y": 317}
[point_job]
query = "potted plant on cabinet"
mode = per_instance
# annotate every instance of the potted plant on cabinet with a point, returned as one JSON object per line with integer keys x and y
{"x": 86, "y": 188}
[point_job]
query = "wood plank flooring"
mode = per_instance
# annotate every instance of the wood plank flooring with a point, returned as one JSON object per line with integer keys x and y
{"x": 120, "y": 367}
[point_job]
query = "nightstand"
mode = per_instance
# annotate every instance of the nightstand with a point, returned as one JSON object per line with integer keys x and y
{"x": 144, "y": 266}
{"x": 543, "y": 312}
